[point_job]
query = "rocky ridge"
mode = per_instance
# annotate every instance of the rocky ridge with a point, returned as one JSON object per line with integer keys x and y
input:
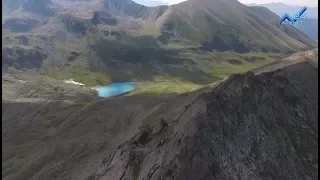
{"x": 250, "y": 127}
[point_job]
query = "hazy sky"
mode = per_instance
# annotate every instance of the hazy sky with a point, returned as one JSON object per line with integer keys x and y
{"x": 291, "y": 2}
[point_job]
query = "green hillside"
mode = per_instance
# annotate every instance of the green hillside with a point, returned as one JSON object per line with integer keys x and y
{"x": 165, "y": 49}
{"x": 232, "y": 25}
{"x": 221, "y": 25}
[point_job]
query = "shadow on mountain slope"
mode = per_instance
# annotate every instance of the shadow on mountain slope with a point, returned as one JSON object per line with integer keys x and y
{"x": 144, "y": 58}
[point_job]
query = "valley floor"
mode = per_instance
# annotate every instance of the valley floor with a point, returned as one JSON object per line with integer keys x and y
{"x": 17, "y": 83}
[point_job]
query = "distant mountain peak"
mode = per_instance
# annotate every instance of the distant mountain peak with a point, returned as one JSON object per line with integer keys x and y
{"x": 310, "y": 24}
{"x": 212, "y": 24}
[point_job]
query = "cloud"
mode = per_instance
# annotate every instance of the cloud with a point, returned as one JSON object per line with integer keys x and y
{"x": 173, "y": 1}
{"x": 292, "y": 2}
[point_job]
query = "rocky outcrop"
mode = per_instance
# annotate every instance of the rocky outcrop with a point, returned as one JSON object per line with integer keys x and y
{"x": 73, "y": 24}
{"x": 101, "y": 17}
{"x": 251, "y": 127}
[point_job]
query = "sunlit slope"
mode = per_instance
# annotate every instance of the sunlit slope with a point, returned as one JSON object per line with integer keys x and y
{"x": 229, "y": 25}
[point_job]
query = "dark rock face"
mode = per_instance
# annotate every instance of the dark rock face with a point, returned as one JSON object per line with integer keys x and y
{"x": 250, "y": 127}
{"x": 103, "y": 17}
{"x": 73, "y": 24}
{"x": 73, "y": 55}
{"x": 23, "y": 58}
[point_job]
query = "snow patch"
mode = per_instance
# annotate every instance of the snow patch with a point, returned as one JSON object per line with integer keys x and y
{"x": 71, "y": 81}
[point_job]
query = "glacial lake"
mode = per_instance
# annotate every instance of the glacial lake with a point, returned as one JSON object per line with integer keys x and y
{"x": 115, "y": 89}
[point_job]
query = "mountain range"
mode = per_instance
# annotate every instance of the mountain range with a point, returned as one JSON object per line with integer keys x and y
{"x": 309, "y": 25}
{"x": 281, "y": 8}
{"x": 90, "y": 40}
{"x": 197, "y": 112}
{"x": 177, "y": 21}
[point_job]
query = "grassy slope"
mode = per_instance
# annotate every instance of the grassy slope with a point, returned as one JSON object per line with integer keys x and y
{"x": 156, "y": 67}
{"x": 254, "y": 28}
{"x": 201, "y": 20}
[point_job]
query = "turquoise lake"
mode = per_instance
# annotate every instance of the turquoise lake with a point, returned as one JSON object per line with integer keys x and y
{"x": 115, "y": 89}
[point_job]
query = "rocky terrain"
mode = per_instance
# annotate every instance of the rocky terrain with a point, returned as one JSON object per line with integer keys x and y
{"x": 249, "y": 127}
{"x": 309, "y": 56}
{"x": 20, "y": 85}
